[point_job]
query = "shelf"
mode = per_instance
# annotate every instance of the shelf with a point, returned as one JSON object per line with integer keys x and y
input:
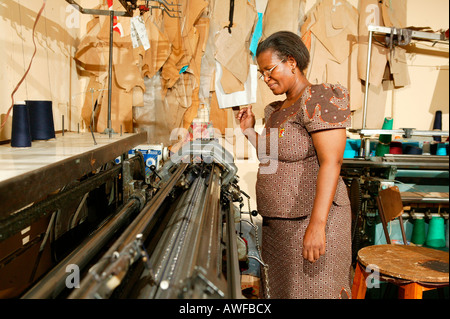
{"x": 403, "y": 131}
{"x": 413, "y": 33}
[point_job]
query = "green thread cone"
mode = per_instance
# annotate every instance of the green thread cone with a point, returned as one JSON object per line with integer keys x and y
{"x": 436, "y": 233}
{"x": 384, "y": 139}
{"x": 418, "y": 235}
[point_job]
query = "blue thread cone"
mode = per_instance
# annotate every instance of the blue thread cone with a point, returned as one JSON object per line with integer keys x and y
{"x": 437, "y": 125}
{"x": 20, "y": 130}
{"x": 441, "y": 149}
{"x": 41, "y": 120}
{"x": 411, "y": 149}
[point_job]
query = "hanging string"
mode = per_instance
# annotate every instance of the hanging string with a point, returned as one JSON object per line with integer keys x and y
{"x": 29, "y": 66}
{"x": 231, "y": 15}
{"x": 48, "y": 60}
{"x": 23, "y": 49}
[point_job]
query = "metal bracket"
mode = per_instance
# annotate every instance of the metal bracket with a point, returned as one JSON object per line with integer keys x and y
{"x": 129, "y": 6}
{"x": 117, "y": 266}
{"x": 165, "y": 6}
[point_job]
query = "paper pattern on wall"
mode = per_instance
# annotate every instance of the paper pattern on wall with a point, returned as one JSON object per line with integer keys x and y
{"x": 93, "y": 57}
{"x": 184, "y": 39}
{"x": 174, "y": 55}
{"x": 324, "y": 65}
{"x": 370, "y": 13}
{"x": 399, "y": 67}
{"x": 172, "y": 44}
{"x": 282, "y": 17}
{"x": 160, "y": 48}
{"x": 245, "y": 97}
{"x": 394, "y": 13}
{"x": 336, "y": 27}
{"x": 232, "y": 49}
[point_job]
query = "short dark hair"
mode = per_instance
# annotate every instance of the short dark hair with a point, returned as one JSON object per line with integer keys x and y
{"x": 286, "y": 44}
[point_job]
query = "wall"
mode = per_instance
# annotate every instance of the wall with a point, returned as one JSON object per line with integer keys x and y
{"x": 429, "y": 71}
{"x": 414, "y": 106}
{"x": 52, "y": 75}
{"x": 53, "y": 72}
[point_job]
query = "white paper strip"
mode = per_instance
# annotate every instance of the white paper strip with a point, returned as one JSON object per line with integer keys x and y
{"x": 245, "y": 97}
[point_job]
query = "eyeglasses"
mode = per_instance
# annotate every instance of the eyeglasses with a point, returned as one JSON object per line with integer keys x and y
{"x": 268, "y": 73}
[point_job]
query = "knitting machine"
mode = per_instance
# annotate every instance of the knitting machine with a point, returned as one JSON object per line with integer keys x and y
{"x": 115, "y": 231}
{"x": 423, "y": 181}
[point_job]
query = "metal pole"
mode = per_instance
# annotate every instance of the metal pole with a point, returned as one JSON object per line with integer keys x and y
{"x": 139, "y": 225}
{"x": 233, "y": 275}
{"x": 366, "y": 94}
{"x": 111, "y": 24}
{"x": 363, "y": 151}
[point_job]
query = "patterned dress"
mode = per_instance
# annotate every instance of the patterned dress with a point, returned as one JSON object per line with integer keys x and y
{"x": 285, "y": 191}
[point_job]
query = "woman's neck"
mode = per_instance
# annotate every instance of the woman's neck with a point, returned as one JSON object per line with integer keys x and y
{"x": 297, "y": 90}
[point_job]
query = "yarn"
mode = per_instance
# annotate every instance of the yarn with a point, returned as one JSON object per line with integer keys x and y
{"x": 441, "y": 149}
{"x": 41, "y": 120}
{"x": 437, "y": 125}
{"x": 412, "y": 150}
{"x": 20, "y": 130}
{"x": 384, "y": 139}
{"x": 396, "y": 148}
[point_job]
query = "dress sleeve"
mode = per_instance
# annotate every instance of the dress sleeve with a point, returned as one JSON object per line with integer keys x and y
{"x": 326, "y": 106}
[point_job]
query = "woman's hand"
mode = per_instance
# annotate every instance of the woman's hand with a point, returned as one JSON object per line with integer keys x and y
{"x": 246, "y": 118}
{"x": 314, "y": 242}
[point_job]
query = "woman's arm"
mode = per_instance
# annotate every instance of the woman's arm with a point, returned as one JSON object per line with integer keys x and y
{"x": 247, "y": 124}
{"x": 330, "y": 146}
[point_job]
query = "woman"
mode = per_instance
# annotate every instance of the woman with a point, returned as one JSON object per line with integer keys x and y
{"x": 304, "y": 203}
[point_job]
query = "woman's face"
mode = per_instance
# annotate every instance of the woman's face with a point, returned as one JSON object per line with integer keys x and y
{"x": 280, "y": 77}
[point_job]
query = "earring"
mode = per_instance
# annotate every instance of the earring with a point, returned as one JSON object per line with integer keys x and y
{"x": 293, "y": 70}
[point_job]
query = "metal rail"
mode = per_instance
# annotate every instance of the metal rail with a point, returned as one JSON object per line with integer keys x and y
{"x": 90, "y": 286}
{"x": 55, "y": 281}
